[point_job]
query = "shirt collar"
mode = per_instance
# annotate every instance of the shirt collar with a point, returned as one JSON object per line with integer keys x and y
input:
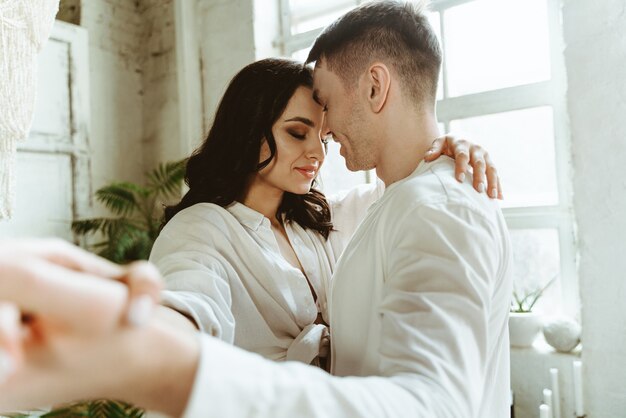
{"x": 246, "y": 216}
{"x": 421, "y": 168}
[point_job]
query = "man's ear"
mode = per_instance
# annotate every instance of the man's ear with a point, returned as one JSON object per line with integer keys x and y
{"x": 378, "y": 83}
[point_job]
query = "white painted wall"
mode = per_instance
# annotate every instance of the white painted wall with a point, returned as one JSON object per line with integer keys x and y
{"x": 595, "y": 54}
{"x": 161, "y": 131}
{"x": 226, "y": 34}
{"x": 115, "y": 28}
{"x": 595, "y": 59}
{"x": 134, "y": 86}
{"x": 232, "y": 34}
{"x": 134, "y": 93}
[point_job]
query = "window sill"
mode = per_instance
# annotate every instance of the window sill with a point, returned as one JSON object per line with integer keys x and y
{"x": 530, "y": 374}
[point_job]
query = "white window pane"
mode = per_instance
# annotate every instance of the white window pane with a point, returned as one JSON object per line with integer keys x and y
{"x": 492, "y": 44}
{"x": 521, "y": 145}
{"x": 536, "y": 255}
{"x": 334, "y": 174}
{"x": 307, "y": 15}
{"x": 442, "y": 128}
{"x": 301, "y": 55}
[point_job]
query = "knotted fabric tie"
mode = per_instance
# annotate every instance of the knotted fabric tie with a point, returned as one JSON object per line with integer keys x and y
{"x": 309, "y": 344}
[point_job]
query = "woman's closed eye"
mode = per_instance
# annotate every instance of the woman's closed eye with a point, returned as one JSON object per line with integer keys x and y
{"x": 297, "y": 135}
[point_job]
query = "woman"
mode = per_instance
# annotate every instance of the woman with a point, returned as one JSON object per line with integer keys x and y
{"x": 249, "y": 251}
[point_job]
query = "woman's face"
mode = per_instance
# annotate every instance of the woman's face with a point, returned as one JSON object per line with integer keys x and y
{"x": 300, "y": 149}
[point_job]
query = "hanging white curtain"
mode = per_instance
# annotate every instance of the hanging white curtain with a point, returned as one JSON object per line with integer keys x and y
{"x": 24, "y": 27}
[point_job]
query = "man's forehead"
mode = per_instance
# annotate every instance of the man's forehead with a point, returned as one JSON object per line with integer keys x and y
{"x": 320, "y": 78}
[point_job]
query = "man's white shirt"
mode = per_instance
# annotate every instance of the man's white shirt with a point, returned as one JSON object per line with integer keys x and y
{"x": 418, "y": 311}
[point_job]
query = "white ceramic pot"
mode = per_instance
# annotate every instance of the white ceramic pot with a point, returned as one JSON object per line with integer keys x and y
{"x": 523, "y": 328}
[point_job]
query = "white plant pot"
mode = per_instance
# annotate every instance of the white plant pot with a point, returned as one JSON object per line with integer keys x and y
{"x": 523, "y": 328}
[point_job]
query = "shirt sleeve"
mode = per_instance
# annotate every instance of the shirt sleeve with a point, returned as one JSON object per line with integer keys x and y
{"x": 437, "y": 305}
{"x": 433, "y": 349}
{"x": 196, "y": 281}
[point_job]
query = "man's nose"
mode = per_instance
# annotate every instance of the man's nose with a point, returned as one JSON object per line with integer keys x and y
{"x": 325, "y": 126}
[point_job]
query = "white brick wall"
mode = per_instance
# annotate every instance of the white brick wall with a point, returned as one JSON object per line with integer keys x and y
{"x": 133, "y": 86}
{"x": 115, "y": 89}
{"x": 226, "y": 36}
{"x": 159, "y": 83}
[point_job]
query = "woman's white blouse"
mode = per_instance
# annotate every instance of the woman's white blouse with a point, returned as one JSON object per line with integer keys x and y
{"x": 223, "y": 269}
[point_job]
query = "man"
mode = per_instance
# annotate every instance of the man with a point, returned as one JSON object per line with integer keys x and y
{"x": 419, "y": 302}
{"x": 431, "y": 259}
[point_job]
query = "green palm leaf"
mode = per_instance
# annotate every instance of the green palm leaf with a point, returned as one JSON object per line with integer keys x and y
{"x": 99, "y": 408}
{"x": 130, "y": 244}
{"x": 166, "y": 179}
{"x": 118, "y": 197}
{"x": 106, "y": 226}
{"x": 131, "y": 235}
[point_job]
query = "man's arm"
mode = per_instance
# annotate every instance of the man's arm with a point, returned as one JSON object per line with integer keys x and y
{"x": 435, "y": 313}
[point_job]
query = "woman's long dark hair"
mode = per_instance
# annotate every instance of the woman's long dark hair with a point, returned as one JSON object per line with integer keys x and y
{"x": 219, "y": 171}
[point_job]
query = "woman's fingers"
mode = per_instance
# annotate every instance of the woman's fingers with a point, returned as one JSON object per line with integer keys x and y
{"x": 449, "y": 145}
{"x": 144, "y": 287}
{"x": 477, "y": 161}
{"x": 493, "y": 181}
{"x": 465, "y": 154}
{"x": 436, "y": 149}
{"x": 65, "y": 254}
{"x": 78, "y": 300}
{"x": 459, "y": 150}
{"x": 53, "y": 265}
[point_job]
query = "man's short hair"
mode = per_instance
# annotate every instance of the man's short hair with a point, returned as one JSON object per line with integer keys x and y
{"x": 396, "y": 33}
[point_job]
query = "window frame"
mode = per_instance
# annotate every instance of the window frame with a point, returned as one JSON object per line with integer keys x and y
{"x": 289, "y": 43}
{"x": 551, "y": 93}
{"x": 77, "y": 148}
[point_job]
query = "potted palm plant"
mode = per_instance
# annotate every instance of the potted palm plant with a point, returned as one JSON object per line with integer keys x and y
{"x": 137, "y": 212}
{"x": 524, "y": 323}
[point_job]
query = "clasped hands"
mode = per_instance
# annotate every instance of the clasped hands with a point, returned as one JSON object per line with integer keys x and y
{"x": 60, "y": 308}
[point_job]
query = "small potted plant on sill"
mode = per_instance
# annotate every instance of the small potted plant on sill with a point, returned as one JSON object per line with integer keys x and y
{"x": 524, "y": 323}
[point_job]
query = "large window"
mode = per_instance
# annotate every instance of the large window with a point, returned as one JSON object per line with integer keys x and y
{"x": 503, "y": 85}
